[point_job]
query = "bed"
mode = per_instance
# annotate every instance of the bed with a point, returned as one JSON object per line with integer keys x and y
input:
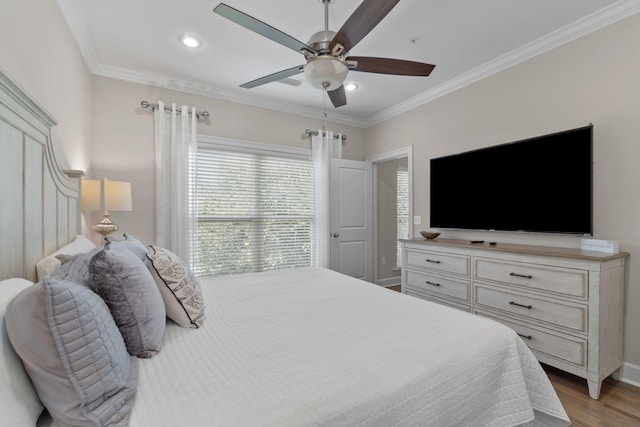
{"x": 284, "y": 348}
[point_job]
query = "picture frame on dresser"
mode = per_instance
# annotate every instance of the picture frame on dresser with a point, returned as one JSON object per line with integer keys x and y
{"x": 566, "y": 304}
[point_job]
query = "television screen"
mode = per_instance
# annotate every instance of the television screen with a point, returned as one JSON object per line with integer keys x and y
{"x": 542, "y": 184}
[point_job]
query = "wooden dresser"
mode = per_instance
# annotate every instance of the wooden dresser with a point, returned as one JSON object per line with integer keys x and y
{"x": 566, "y": 304}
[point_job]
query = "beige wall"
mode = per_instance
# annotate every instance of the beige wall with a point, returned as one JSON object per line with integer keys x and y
{"x": 38, "y": 52}
{"x": 123, "y": 147}
{"x": 593, "y": 79}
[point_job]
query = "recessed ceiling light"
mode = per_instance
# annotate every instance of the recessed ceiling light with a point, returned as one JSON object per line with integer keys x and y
{"x": 190, "y": 41}
{"x": 350, "y": 86}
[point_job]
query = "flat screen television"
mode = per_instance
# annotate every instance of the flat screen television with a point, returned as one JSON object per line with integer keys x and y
{"x": 542, "y": 184}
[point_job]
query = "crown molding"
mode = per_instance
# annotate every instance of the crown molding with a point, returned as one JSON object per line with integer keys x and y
{"x": 606, "y": 16}
{"x": 203, "y": 89}
{"x": 584, "y": 26}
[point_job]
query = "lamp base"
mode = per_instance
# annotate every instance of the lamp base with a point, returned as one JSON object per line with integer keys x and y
{"x": 105, "y": 227}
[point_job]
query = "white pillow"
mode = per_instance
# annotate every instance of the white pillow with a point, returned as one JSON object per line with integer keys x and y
{"x": 178, "y": 286}
{"x": 19, "y": 402}
{"x": 49, "y": 264}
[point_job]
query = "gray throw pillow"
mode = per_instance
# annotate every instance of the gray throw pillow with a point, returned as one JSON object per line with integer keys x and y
{"x": 125, "y": 284}
{"x": 132, "y": 244}
{"x": 73, "y": 353}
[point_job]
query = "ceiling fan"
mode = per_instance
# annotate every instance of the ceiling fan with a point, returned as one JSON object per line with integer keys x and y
{"x": 325, "y": 53}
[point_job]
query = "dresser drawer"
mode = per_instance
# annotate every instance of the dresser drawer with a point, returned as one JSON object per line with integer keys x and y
{"x": 448, "y": 303}
{"x": 553, "y": 279}
{"x": 448, "y": 263}
{"x": 568, "y": 349}
{"x": 439, "y": 285}
{"x": 561, "y": 313}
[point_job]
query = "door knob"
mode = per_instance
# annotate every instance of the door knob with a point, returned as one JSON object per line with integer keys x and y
{"x": 336, "y": 234}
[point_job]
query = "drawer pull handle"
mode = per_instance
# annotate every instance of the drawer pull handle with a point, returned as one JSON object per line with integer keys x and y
{"x": 524, "y": 336}
{"x": 520, "y": 305}
{"x": 433, "y": 261}
{"x": 431, "y": 283}
{"x": 524, "y": 276}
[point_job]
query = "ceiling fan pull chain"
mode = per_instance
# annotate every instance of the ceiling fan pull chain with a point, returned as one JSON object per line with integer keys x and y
{"x": 324, "y": 107}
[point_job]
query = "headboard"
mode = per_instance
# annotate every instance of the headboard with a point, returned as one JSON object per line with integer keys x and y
{"x": 40, "y": 209}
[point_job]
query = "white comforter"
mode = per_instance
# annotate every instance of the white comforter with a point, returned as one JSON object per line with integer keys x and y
{"x": 309, "y": 347}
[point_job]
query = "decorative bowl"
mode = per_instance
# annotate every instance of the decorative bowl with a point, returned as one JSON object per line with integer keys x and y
{"x": 430, "y": 234}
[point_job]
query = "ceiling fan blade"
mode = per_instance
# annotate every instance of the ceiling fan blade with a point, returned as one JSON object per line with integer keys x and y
{"x": 261, "y": 28}
{"x": 338, "y": 97}
{"x": 397, "y": 67}
{"x": 274, "y": 77}
{"x": 361, "y": 22}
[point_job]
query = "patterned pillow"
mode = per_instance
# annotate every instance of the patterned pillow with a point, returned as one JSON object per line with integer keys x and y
{"x": 179, "y": 288}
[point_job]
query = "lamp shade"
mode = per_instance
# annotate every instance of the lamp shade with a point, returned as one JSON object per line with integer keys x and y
{"x": 91, "y": 194}
{"x": 97, "y": 195}
{"x": 117, "y": 195}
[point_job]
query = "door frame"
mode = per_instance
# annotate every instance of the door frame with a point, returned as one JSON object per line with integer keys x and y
{"x": 375, "y": 159}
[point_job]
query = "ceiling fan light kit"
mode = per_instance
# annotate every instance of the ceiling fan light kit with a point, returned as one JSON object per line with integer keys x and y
{"x": 326, "y": 72}
{"x": 326, "y": 66}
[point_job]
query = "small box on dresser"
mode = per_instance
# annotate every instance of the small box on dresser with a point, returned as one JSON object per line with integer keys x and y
{"x": 566, "y": 304}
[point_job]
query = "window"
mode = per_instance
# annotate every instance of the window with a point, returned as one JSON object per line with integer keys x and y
{"x": 402, "y": 209}
{"x": 255, "y": 208}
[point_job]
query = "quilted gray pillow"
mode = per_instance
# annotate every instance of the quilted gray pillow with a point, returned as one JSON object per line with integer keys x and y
{"x": 125, "y": 284}
{"x": 75, "y": 268}
{"x": 178, "y": 286}
{"x": 73, "y": 353}
{"x": 50, "y": 263}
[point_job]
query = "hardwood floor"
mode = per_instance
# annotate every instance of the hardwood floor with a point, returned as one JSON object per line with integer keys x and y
{"x": 618, "y": 406}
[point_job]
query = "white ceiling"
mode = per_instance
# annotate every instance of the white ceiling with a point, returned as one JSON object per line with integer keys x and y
{"x": 465, "y": 39}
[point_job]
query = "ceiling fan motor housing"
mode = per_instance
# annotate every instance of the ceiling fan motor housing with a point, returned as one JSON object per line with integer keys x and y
{"x": 320, "y": 41}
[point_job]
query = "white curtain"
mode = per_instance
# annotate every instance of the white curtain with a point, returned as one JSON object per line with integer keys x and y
{"x": 176, "y": 143}
{"x": 324, "y": 147}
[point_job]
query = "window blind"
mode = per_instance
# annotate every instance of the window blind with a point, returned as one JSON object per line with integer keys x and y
{"x": 402, "y": 209}
{"x": 255, "y": 211}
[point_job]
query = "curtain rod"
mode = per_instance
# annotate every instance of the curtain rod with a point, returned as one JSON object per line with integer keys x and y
{"x": 310, "y": 132}
{"x": 154, "y": 107}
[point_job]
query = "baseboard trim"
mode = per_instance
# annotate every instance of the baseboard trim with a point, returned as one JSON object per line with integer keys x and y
{"x": 630, "y": 374}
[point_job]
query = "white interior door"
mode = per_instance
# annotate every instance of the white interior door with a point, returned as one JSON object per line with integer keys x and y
{"x": 352, "y": 218}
